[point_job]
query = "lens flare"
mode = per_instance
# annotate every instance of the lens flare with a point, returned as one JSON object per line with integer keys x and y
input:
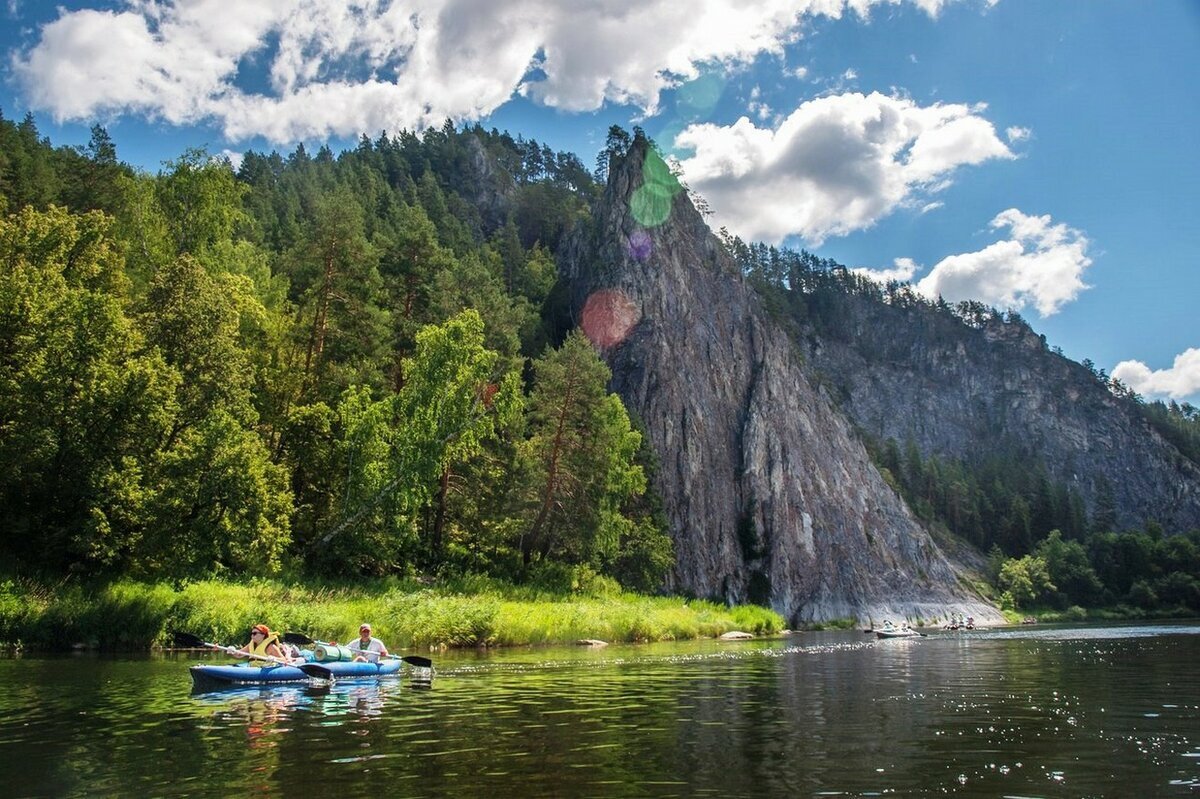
{"x": 640, "y": 246}
{"x": 698, "y": 97}
{"x": 651, "y": 202}
{"x": 656, "y": 171}
{"x": 608, "y": 316}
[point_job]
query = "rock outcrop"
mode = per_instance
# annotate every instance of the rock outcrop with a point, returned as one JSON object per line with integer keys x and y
{"x": 914, "y": 373}
{"x": 770, "y": 495}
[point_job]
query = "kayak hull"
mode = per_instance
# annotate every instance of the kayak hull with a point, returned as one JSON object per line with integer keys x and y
{"x": 218, "y": 675}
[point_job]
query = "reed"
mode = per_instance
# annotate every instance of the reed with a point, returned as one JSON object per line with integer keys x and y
{"x": 127, "y": 615}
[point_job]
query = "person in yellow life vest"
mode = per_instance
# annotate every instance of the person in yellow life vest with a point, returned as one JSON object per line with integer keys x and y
{"x": 263, "y": 642}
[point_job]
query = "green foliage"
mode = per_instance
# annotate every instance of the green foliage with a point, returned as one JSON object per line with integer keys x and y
{"x": 81, "y": 404}
{"x": 200, "y": 199}
{"x": 580, "y": 459}
{"x": 473, "y": 612}
{"x": 452, "y": 620}
{"x": 193, "y": 319}
{"x": 1137, "y": 569}
{"x": 395, "y": 450}
{"x": 1025, "y": 581}
{"x": 222, "y": 504}
{"x": 1179, "y": 424}
{"x": 316, "y": 362}
{"x": 757, "y": 620}
{"x": 996, "y": 500}
{"x": 1068, "y": 568}
{"x": 334, "y": 275}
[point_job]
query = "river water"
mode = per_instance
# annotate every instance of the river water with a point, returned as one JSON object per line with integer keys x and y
{"x": 1030, "y": 712}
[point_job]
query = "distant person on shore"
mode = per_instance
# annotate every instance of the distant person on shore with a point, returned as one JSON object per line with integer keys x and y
{"x": 367, "y": 649}
{"x": 263, "y": 645}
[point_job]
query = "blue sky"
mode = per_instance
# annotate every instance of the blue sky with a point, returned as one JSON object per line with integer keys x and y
{"x": 1033, "y": 154}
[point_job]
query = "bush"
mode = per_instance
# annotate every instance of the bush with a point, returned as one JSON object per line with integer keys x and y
{"x": 1142, "y": 595}
{"x": 1178, "y": 588}
{"x": 758, "y": 620}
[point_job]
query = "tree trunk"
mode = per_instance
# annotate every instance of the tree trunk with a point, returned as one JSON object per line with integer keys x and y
{"x": 439, "y": 518}
{"x": 531, "y": 539}
{"x": 316, "y": 342}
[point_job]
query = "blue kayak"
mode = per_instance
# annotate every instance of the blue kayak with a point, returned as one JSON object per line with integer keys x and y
{"x": 239, "y": 674}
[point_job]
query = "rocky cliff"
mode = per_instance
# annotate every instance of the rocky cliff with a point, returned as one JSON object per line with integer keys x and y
{"x": 769, "y": 493}
{"x": 958, "y": 389}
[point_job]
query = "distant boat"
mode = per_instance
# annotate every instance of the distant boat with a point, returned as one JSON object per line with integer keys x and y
{"x": 889, "y": 630}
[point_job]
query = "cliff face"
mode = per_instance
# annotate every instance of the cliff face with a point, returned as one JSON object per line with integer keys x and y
{"x": 769, "y": 495}
{"x": 958, "y": 391}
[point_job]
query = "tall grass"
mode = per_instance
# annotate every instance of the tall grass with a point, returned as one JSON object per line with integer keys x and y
{"x": 127, "y": 615}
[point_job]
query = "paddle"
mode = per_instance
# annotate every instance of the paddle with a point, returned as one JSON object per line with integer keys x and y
{"x": 300, "y": 639}
{"x": 311, "y": 669}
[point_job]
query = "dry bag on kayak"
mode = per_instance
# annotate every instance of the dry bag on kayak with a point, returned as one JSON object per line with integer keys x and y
{"x": 333, "y": 653}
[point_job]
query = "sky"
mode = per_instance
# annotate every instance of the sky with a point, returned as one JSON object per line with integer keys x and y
{"x": 1035, "y": 155}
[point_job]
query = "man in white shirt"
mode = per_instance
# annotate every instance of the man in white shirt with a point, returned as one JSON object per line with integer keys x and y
{"x": 365, "y": 648}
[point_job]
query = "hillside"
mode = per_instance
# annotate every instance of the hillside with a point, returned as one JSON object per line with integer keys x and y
{"x": 770, "y": 495}
{"x": 462, "y": 353}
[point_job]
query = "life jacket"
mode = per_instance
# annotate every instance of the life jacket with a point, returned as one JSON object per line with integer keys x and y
{"x": 261, "y": 648}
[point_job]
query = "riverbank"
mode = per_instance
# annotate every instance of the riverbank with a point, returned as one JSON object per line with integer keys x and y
{"x": 407, "y": 615}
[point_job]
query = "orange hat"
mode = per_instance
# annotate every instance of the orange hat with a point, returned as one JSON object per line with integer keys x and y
{"x": 262, "y": 628}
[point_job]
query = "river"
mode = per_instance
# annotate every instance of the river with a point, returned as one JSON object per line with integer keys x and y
{"x": 1096, "y": 711}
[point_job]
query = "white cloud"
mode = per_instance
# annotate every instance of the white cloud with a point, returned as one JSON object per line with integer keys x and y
{"x": 756, "y": 106}
{"x": 902, "y": 272}
{"x": 1040, "y": 264}
{"x": 834, "y": 165}
{"x": 338, "y": 68}
{"x": 1016, "y": 134}
{"x": 1179, "y": 382}
{"x": 234, "y": 158}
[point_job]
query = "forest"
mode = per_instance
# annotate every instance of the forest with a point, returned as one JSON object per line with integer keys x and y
{"x": 331, "y": 365}
{"x": 361, "y": 365}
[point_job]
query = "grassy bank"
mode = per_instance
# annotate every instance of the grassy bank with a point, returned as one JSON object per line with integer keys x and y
{"x": 406, "y": 615}
{"x": 1075, "y": 613}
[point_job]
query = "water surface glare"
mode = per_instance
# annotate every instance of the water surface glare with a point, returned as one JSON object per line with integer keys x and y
{"x": 1092, "y": 711}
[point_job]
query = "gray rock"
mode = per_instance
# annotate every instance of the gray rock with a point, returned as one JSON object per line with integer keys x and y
{"x": 903, "y": 371}
{"x": 769, "y": 495}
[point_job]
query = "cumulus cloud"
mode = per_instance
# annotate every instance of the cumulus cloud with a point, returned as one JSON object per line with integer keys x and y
{"x": 1179, "y": 382}
{"x": 834, "y": 165}
{"x": 338, "y": 68}
{"x": 902, "y": 271}
{"x": 1039, "y": 264}
{"x": 234, "y": 158}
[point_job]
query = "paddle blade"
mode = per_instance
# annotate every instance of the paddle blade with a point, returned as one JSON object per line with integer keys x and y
{"x": 316, "y": 671}
{"x": 300, "y": 639}
{"x": 418, "y": 661}
{"x": 188, "y": 641}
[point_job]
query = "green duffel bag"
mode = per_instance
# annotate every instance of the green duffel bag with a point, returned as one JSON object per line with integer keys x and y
{"x": 331, "y": 653}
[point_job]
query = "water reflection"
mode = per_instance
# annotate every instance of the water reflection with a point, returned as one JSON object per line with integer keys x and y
{"x": 1046, "y": 712}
